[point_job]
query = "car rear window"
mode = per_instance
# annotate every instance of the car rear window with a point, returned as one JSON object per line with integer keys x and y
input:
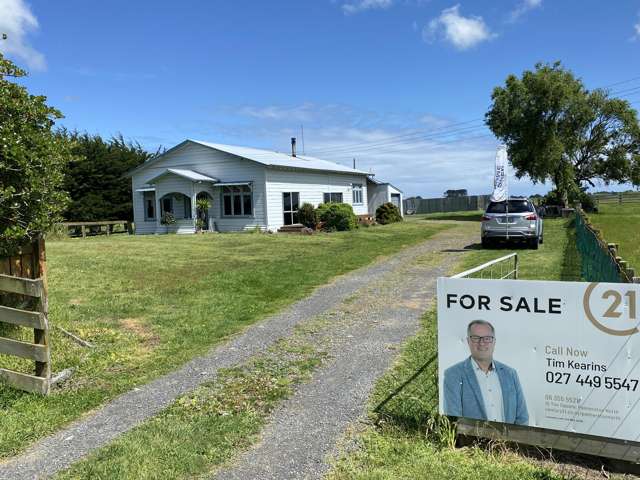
{"x": 515, "y": 206}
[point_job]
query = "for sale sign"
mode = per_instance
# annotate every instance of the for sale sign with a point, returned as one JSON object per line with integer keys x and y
{"x": 558, "y": 355}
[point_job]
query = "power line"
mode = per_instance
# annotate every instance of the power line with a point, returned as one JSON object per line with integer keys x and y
{"x": 423, "y": 138}
{"x": 394, "y": 137}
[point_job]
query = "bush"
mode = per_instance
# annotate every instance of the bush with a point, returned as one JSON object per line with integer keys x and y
{"x": 308, "y": 216}
{"x": 337, "y": 216}
{"x": 388, "y": 213}
{"x": 32, "y": 163}
{"x": 587, "y": 201}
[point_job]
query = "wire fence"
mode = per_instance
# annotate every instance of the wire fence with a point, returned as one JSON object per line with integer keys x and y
{"x": 599, "y": 261}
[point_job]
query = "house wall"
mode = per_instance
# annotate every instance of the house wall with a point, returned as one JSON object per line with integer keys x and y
{"x": 311, "y": 187}
{"x": 220, "y": 165}
{"x": 379, "y": 194}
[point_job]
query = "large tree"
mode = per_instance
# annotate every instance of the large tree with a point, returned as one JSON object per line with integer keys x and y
{"x": 95, "y": 178}
{"x": 32, "y": 162}
{"x": 555, "y": 129}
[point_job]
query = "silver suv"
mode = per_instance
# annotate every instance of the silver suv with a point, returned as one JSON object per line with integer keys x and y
{"x": 521, "y": 223}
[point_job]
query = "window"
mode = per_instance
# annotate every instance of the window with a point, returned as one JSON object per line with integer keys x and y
{"x": 237, "y": 201}
{"x": 290, "y": 203}
{"x": 515, "y": 206}
{"x": 149, "y": 206}
{"x": 334, "y": 197}
{"x": 357, "y": 193}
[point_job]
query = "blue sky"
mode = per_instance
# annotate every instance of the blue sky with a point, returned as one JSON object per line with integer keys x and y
{"x": 389, "y": 82}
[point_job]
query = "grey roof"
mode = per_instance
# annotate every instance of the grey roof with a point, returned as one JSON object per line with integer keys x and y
{"x": 268, "y": 158}
{"x": 380, "y": 182}
{"x": 188, "y": 174}
{"x": 277, "y": 159}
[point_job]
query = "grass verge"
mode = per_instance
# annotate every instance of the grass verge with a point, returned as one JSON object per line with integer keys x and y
{"x": 620, "y": 224}
{"x": 408, "y": 440}
{"x": 149, "y": 304}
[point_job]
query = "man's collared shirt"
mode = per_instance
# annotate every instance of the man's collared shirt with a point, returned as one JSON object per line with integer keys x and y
{"x": 491, "y": 392}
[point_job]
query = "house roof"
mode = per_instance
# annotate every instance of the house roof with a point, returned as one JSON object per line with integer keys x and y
{"x": 380, "y": 182}
{"x": 278, "y": 159}
{"x": 184, "y": 173}
{"x": 268, "y": 158}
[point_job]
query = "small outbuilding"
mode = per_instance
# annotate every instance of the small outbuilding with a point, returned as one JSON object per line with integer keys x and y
{"x": 379, "y": 192}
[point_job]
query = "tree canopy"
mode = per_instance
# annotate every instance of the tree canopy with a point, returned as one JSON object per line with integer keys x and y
{"x": 32, "y": 162}
{"x": 555, "y": 129}
{"x": 95, "y": 178}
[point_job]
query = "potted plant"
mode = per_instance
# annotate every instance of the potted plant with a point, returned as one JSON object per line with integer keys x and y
{"x": 202, "y": 212}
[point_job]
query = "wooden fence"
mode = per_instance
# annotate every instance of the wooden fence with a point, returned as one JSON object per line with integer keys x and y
{"x": 617, "y": 198}
{"x": 23, "y": 303}
{"x": 448, "y": 204}
{"x": 77, "y": 229}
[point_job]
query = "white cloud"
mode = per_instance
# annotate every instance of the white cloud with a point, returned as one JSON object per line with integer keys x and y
{"x": 462, "y": 32}
{"x": 636, "y": 27}
{"x": 16, "y": 20}
{"x": 523, "y": 7}
{"x": 362, "y": 5}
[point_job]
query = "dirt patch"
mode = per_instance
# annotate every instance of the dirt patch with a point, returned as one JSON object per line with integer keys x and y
{"x": 139, "y": 327}
{"x": 76, "y": 301}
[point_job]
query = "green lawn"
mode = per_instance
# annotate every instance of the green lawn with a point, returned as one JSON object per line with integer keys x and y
{"x": 149, "y": 304}
{"x": 621, "y": 224}
{"x": 409, "y": 441}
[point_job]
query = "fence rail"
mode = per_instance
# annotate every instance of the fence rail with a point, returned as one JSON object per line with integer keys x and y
{"x": 499, "y": 269}
{"x": 83, "y": 229}
{"x": 617, "y": 198}
{"x": 447, "y": 204}
{"x": 23, "y": 304}
{"x": 599, "y": 259}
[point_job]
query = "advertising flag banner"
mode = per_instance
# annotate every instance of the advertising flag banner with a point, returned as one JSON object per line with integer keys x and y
{"x": 500, "y": 180}
{"x": 556, "y": 355}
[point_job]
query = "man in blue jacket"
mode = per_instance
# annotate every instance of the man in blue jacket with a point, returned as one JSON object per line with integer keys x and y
{"x": 482, "y": 388}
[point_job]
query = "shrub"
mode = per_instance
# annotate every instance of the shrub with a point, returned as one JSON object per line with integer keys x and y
{"x": 337, "y": 216}
{"x": 32, "y": 163}
{"x": 308, "y": 216}
{"x": 167, "y": 219}
{"x": 388, "y": 213}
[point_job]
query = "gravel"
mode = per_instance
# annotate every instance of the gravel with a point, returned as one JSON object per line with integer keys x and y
{"x": 308, "y": 425}
{"x": 302, "y": 434}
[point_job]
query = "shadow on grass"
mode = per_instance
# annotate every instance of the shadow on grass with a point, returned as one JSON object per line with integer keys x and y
{"x": 571, "y": 264}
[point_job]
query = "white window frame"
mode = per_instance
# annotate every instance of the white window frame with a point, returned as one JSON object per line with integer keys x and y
{"x": 357, "y": 190}
{"x": 229, "y": 192}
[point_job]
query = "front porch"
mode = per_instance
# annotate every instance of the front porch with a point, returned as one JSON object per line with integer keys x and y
{"x": 184, "y": 201}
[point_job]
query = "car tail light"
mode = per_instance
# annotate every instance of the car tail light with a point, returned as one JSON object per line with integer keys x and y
{"x": 533, "y": 216}
{"x": 485, "y": 218}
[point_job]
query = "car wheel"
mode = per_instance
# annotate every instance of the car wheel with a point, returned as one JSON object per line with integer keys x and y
{"x": 486, "y": 243}
{"x": 541, "y": 240}
{"x": 533, "y": 243}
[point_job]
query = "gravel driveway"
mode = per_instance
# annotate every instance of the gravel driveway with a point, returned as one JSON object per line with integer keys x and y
{"x": 304, "y": 431}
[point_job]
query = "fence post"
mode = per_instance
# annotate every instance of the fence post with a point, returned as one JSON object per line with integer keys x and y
{"x": 41, "y": 336}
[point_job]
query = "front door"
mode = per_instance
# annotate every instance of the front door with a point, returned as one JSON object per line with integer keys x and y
{"x": 290, "y": 205}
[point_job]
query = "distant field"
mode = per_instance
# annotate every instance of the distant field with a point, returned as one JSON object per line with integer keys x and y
{"x": 149, "y": 304}
{"x": 407, "y": 443}
{"x": 621, "y": 224}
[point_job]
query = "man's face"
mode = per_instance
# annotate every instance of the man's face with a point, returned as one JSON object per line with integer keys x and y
{"x": 479, "y": 345}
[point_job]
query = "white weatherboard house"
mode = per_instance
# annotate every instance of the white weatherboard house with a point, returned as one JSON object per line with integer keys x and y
{"x": 247, "y": 188}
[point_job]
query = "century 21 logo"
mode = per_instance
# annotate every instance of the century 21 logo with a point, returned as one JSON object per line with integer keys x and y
{"x": 606, "y": 310}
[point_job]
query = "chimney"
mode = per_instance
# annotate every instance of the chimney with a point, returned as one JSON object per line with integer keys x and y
{"x": 293, "y": 146}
